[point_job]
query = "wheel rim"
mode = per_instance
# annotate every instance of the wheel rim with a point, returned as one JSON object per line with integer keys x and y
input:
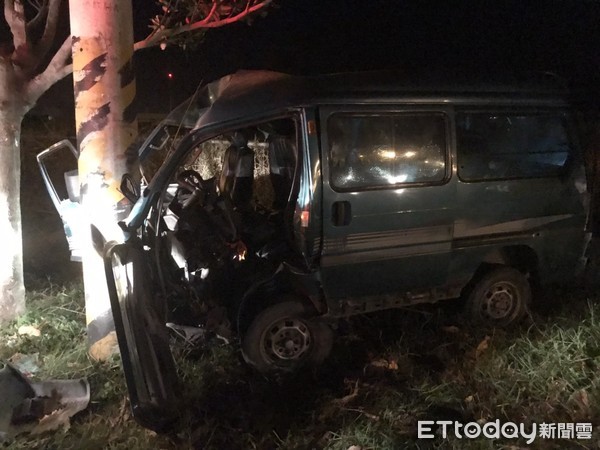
{"x": 500, "y": 300}
{"x": 286, "y": 341}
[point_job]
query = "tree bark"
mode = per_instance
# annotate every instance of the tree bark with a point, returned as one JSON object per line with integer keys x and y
{"x": 23, "y": 79}
{"x": 12, "y": 110}
{"x": 104, "y": 86}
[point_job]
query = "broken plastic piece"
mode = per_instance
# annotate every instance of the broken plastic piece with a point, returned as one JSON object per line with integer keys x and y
{"x": 191, "y": 335}
{"x": 38, "y": 406}
{"x": 28, "y": 365}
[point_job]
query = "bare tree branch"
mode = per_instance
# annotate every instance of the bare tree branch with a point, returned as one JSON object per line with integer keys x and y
{"x": 212, "y": 12}
{"x": 15, "y": 17}
{"x": 42, "y": 10}
{"x": 212, "y": 20}
{"x": 47, "y": 39}
{"x": 58, "y": 68}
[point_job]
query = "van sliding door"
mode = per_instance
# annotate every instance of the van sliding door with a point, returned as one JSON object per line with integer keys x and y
{"x": 520, "y": 183}
{"x": 387, "y": 200}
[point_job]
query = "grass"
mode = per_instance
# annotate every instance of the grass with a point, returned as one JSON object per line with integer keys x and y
{"x": 387, "y": 372}
{"x": 57, "y": 312}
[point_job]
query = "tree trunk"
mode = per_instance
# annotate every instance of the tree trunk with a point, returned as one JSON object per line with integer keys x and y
{"x": 12, "y": 290}
{"x": 104, "y": 85}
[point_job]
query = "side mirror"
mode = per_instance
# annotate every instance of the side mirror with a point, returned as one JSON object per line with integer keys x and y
{"x": 71, "y": 179}
{"x": 130, "y": 189}
{"x": 67, "y": 202}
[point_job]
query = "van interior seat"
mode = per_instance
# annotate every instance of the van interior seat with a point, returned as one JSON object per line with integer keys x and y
{"x": 282, "y": 163}
{"x": 237, "y": 176}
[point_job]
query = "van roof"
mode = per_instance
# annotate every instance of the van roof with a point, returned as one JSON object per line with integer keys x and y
{"x": 255, "y": 93}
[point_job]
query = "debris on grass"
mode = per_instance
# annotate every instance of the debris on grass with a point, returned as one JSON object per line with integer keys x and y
{"x": 28, "y": 365}
{"x": 580, "y": 405}
{"x": 36, "y": 407}
{"x": 29, "y": 330}
{"x": 482, "y": 347}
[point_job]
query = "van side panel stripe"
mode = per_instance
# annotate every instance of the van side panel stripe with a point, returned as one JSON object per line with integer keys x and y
{"x": 369, "y": 247}
{"x": 385, "y": 254}
{"x": 386, "y": 245}
{"x": 366, "y": 241}
{"x": 465, "y": 230}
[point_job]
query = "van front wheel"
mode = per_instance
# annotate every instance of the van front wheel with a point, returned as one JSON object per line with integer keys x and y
{"x": 284, "y": 337}
{"x": 501, "y": 297}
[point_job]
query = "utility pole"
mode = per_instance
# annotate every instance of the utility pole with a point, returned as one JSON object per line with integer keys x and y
{"x": 104, "y": 86}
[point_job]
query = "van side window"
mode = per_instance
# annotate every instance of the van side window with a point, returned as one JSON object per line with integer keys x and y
{"x": 501, "y": 146}
{"x": 386, "y": 150}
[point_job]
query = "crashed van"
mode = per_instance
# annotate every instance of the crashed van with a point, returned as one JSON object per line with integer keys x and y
{"x": 276, "y": 205}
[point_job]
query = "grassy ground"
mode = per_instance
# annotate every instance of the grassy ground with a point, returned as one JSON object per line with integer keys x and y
{"x": 388, "y": 371}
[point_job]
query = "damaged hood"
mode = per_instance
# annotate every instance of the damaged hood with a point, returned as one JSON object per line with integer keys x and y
{"x": 190, "y": 114}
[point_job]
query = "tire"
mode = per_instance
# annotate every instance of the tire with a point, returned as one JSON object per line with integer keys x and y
{"x": 501, "y": 297}
{"x": 284, "y": 338}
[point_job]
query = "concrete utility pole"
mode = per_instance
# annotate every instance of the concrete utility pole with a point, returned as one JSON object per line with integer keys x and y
{"x": 104, "y": 86}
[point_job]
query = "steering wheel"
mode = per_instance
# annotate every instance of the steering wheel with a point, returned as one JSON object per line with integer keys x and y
{"x": 189, "y": 180}
{"x": 190, "y": 188}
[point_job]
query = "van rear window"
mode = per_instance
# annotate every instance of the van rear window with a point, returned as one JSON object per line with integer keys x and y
{"x": 368, "y": 151}
{"x": 503, "y": 146}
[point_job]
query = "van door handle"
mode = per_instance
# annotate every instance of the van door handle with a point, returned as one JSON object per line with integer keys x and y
{"x": 341, "y": 214}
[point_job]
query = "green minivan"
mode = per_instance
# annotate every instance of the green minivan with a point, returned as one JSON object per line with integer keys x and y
{"x": 290, "y": 202}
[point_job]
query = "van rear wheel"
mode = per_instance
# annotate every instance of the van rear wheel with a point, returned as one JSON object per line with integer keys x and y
{"x": 284, "y": 337}
{"x": 501, "y": 297}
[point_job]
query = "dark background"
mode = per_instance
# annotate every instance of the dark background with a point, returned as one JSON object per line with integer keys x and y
{"x": 480, "y": 38}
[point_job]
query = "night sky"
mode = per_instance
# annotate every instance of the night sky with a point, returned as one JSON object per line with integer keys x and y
{"x": 481, "y": 38}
